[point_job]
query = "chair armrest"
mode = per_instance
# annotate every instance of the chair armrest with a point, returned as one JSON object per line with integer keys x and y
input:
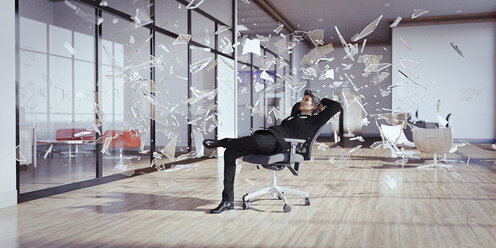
{"x": 298, "y": 141}
{"x": 294, "y": 143}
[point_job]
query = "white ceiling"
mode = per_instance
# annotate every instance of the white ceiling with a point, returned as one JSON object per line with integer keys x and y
{"x": 351, "y": 16}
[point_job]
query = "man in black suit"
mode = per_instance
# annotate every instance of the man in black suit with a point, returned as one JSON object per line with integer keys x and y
{"x": 299, "y": 125}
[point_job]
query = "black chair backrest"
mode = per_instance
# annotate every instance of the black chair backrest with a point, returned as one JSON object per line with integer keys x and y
{"x": 305, "y": 149}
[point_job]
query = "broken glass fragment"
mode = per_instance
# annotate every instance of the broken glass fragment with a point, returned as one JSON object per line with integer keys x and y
{"x": 131, "y": 39}
{"x": 170, "y": 149}
{"x": 69, "y": 48}
{"x": 194, "y": 4}
{"x": 251, "y": 46}
{"x": 141, "y": 18}
{"x": 355, "y": 149}
{"x": 278, "y": 29}
{"x": 198, "y": 66}
{"x": 467, "y": 94}
{"x": 359, "y": 138}
{"x": 405, "y": 43}
{"x": 104, "y": 3}
{"x": 106, "y": 144}
{"x": 390, "y": 182}
{"x": 457, "y": 49}
{"x": 368, "y": 29}
{"x": 48, "y": 152}
{"x": 418, "y": 12}
{"x": 222, "y": 29}
{"x": 182, "y": 39}
{"x": 316, "y": 36}
{"x": 396, "y": 22}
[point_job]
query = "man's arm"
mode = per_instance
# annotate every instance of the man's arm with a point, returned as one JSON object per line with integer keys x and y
{"x": 330, "y": 109}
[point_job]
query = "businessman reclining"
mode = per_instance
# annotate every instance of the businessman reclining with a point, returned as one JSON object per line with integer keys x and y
{"x": 299, "y": 125}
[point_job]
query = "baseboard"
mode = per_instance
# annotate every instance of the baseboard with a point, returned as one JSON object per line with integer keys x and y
{"x": 8, "y": 198}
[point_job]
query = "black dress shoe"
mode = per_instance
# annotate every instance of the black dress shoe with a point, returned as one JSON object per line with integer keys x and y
{"x": 210, "y": 143}
{"x": 224, "y": 205}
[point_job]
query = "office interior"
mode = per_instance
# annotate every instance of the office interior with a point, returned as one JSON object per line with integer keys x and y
{"x": 106, "y": 105}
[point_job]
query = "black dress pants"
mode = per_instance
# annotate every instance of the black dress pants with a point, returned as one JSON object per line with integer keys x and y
{"x": 260, "y": 143}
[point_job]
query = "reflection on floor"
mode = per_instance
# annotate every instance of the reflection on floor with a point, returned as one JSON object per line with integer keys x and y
{"x": 64, "y": 167}
{"x": 368, "y": 201}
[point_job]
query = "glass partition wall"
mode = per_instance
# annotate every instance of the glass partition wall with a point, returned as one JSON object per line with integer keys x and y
{"x": 111, "y": 87}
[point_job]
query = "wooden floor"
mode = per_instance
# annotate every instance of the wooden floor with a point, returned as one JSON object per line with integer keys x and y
{"x": 367, "y": 202}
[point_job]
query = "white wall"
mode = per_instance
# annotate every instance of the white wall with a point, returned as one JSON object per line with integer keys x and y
{"x": 8, "y": 193}
{"x": 447, "y": 75}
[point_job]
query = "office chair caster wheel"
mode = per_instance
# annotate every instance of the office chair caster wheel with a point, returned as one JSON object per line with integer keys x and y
{"x": 287, "y": 208}
{"x": 246, "y": 205}
{"x": 307, "y": 201}
{"x": 244, "y": 198}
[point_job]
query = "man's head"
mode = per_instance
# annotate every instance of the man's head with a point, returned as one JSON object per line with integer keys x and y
{"x": 309, "y": 103}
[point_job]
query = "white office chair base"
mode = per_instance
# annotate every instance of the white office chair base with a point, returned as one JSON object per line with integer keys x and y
{"x": 276, "y": 191}
{"x": 435, "y": 164}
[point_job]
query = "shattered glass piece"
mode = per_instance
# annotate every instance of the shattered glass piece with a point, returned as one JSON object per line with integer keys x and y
{"x": 170, "y": 149}
{"x": 315, "y": 54}
{"x": 226, "y": 46}
{"x": 457, "y": 49}
{"x": 281, "y": 45}
{"x": 332, "y": 160}
{"x": 377, "y": 145}
{"x": 259, "y": 86}
{"x": 405, "y": 43}
{"x": 200, "y": 65}
{"x": 266, "y": 76}
{"x": 163, "y": 47}
{"x": 396, "y": 22}
{"x": 82, "y": 133}
{"x": 222, "y": 29}
{"x": 379, "y": 78}
{"x": 363, "y": 46}
{"x": 249, "y": 181}
{"x": 141, "y": 18}
{"x": 308, "y": 72}
{"x": 467, "y": 94}
{"x": 351, "y": 82}
{"x": 419, "y": 12}
{"x": 359, "y": 138}
{"x": 70, "y": 5}
{"x": 345, "y": 45}
{"x": 213, "y": 65}
{"x": 48, "y": 152}
{"x": 409, "y": 63}
{"x": 278, "y": 29}
{"x": 368, "y": 29}
{"x": 69, "y": 48}
{"x": 251, "y": 46}
{"x": 115, "y": 20}
{"x": 298, "y": 86}
{"x": 328, "y": 73}
{"x": 322, "y": 147}
{"x": 402, "y": 73}
{"x": 337, "y": 83}
{"x": 456, "y": 175}
{"x": 106, "y": 143}
{"x": 182, "y": 39}
{"x": 355, "y": 149}
{"x": 493, "y": 146}
{"x": 390, "y": 182}
{"x": 104, "y": 3}
{"x": 131, "y": 39}
{"x": 194, "y": 4}
{"x": 316, "y": 36}
{"x": 269, "y": 120}
{"x": 125, "y": 166}
{"x": 468, "y": 159}
{"x": 99, "y": 20}
{"x": 346, "y": 66}
{"x": 384, "y": 93}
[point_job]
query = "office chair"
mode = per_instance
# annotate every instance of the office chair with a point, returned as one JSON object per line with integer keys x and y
{"x": 300, "y": 150}
{"x": 429, "y": 140}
